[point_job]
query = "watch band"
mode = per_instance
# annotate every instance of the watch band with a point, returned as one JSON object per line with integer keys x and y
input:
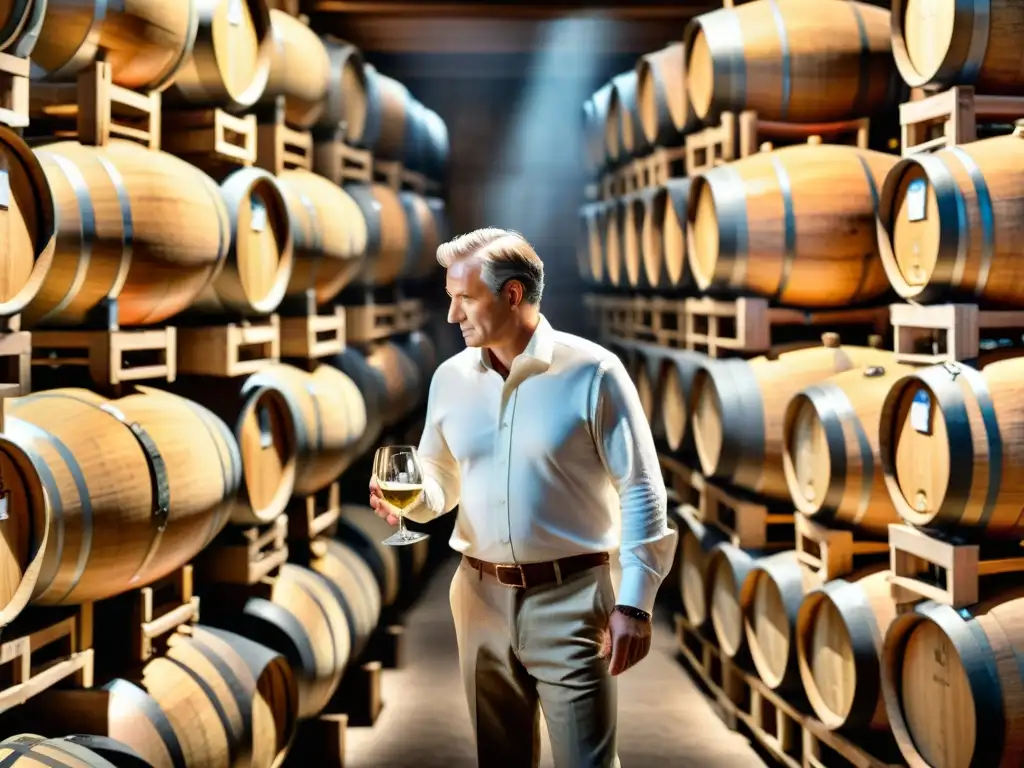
{"x": 634, "y": 613}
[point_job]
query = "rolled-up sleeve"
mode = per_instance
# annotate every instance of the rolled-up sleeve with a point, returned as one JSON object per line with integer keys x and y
{"x": 626, "y": 446}
{"x": 441, "y": 483}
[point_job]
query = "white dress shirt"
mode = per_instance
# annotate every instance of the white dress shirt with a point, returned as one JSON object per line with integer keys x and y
{"x": 557, "y": 460}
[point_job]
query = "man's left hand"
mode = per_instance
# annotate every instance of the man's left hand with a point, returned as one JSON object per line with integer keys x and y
{"x": 626, "y": 641}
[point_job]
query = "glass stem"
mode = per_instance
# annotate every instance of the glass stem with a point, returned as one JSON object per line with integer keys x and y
{"x": 401, "y": 526}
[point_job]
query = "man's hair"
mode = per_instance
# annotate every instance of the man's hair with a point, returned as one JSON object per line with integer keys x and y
{"x": 506, "y": 255}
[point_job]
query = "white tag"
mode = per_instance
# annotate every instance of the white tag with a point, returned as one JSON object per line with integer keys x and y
{"x": 917, "y": 198}
{"x": 920, "y": 412}
{"x": 5, "y": 189}
{"x": 234, "y": 12}
{"x": 258, "y": 217}
{"x": 3, "y": 504}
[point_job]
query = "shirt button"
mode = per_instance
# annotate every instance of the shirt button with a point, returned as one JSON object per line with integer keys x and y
{"x": 504, "y": 540}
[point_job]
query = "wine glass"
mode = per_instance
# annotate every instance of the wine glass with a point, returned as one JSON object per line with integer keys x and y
{"x": 398, "y": 473}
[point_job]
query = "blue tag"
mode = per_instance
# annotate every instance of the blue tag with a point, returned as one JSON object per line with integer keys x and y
{"x": 920, "y": 412}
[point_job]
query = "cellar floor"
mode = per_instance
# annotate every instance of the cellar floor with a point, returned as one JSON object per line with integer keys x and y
{"x": 664, "y": 719}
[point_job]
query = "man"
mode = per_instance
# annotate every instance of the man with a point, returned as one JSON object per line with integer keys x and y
{"x": 540, "y": 438}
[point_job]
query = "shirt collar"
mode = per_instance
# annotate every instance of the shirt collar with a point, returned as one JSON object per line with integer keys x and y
{"x": 540, "y": 349}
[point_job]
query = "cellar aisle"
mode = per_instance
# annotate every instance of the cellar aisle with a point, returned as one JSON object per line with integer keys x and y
{"x": 664, "y": 719}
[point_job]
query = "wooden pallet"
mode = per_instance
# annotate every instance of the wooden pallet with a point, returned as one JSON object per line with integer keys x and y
{"x": 232, "y": 349}
{"x": 44, "y": 648}
{"x": 113, "y": 356}
{"x": 372, "y": 322}
{"x": 210, "y": 139}
{"x": 14, "y": 90}
{"x": 244, "y": 555}
{"x": 315, "y": 515}
{"x": 309, "y": 334}
{"x": 741, "y": 135}
{"x": 793, "y": 738}
{"x": 278, "y": 146}
{"x": 927, "y": 566}
{"x": 657, "y": 320}
{"x": 335, "y": 160}
{"x": 94, "y": 110}
{"x": 319, "y": 741}
{"x": 941, "y": 333}
{"x": 650, "y": 171}
{"x": 15, "y": 360}
{"x": 952, "y": 117}
{"x": 832, "y": 553}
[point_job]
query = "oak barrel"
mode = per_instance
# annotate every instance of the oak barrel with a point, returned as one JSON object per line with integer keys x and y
{"x": 594, "y": 223}
{"x": 421, "y": 248}
{"x": 31, "y": 222}
{"x": 404, "y": 381}
{"x": 663, "y": 107}
{"x": 949, "y": 453}
{"x": 949, "y": 224}
{"x": 373, "y": 388}
{"x": 770, "y": 597}
{"x": 697, "y": 542}
{"x": 263, "y": 424}
{"x": 28, "y": 749}
{"x": 950, "y": 42}
{"x": 796, "y": 61}
{"x": 613, "y": 267}
{"x": 645, "y": 379}
{"x": 115, "y": 518}
{"x": 663, "y": 236}
{"x": 795, "y": 225}
{"x": 147, "y": 43}
{"x": 342, "y": 565}
{"x": 230, "y": 63}
{"x": 635, "y": 208}
{"x": 738, "y": 407}
{"x": 952, "y": 683}
{"x": 594, "y": 130}
{"x": 675, "y": 381}
{"x": 346, "y": 99}
{"x": 426, "y": 142}
{"x": 839, "y": 631}
{"x": 329, "y": 414}
{"x": 329, "y": 234}
{"x": 727, "y": 570}
{"x": 258, "y": 267}
{"x": 119, "y": 234}
{"x": 300, "y": 71}
{"x": 20, "y": 24}
{"x": 622, "y": 135}
{"x": 830, "y": 449}
{"x": 387, "y": 228}
{"x": 391, "y": 99}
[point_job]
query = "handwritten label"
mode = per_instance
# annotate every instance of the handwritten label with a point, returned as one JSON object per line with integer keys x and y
{"x": 920, "y": 412}
{"x": 5, "y": 189}
{"x": 917, "y": 199}
{"x": 258, "y": 216}
{"x": 266, "y": 430}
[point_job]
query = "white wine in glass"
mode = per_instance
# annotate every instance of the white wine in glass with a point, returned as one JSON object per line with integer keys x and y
{"x": 400, "y": 477}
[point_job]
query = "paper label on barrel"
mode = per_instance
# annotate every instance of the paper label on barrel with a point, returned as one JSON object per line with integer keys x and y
{"x": 5, "y": 189}
{"x": 920, "y": 412}
{"x": 266, "y": 431}
{"x": 258, "y": 216}
{"x": 235, "y": 12}
{"x": 917, "y": 198}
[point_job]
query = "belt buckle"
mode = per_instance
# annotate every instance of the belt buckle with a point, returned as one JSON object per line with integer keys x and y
{"x": 517, "y": 568}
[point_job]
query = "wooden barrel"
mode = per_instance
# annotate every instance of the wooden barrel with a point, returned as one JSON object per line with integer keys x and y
{"x": 258, "y": 267}
{"x": 797, "y": 61}
{"x": 342, "y": 565}
{"x": 346, "y": 99}
{"x": 770, "y": 598}
{"x": 392, "y": 100}
{"x": 795, "y": 225}
{"x": 28, "y": 749}
{"x": 947, "y": 454}
{"x": 119, "y": 234}
{"x": 230, "y": 63}
{"x": 945, "y": 43}
{"x": 737, "y": 409}
{"x": 631, "y": 227}
{"x": 622, "y": 136}
{"x": 302, "y": 620}
{"x": 421, "y": 249}
{"x": 147, "y": 44}
{"x": 675, "y": 381}
{"x": 951, "y": 681}
{"x": 300, "y": 71}
{"x": 830, "y": 449}
{"x": 20, "y": 24}
{"x": 663, "y": 107}
{"x": 696, "y": 544}
{"x": 839, "y": 631}
{"x": 372, "y": 387}
{"x": 595, "y": 133}
{"x": 107, "y": 522}
{"x": 329, "y": 234}
{"x": 613, "y": 268}
{"x": 329, "y": 415}
{"x": 263, "y": 424}
{"x": 426, "y": 144}
{"x": 592, "y": 236}
{"x": 663, "y": 236}
{"x": 948, "y": 224}
{"x": 420, "y": 348}
{"x": 404, "y": 381}
{"x": 728, "y": 567}
{"x": 387, "y": 233}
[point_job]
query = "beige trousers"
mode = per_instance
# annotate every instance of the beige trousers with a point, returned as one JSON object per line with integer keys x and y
{"x": 527, "y": 651}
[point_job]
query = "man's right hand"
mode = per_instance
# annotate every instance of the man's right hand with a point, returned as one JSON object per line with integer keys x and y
{"x": 380, "y": 506}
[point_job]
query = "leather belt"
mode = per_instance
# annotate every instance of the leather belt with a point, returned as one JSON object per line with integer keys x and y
{"x": 527, "y": 575}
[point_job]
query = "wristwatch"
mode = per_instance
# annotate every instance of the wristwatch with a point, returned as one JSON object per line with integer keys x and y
{"x": 633, "y": 613}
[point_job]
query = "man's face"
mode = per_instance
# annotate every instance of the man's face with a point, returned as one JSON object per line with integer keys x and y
{"x": 482, "y": 317}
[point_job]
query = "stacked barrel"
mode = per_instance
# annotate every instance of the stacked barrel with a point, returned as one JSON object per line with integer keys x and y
{"x": 850, "y": 543}
{"x": 196, "y": 179}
